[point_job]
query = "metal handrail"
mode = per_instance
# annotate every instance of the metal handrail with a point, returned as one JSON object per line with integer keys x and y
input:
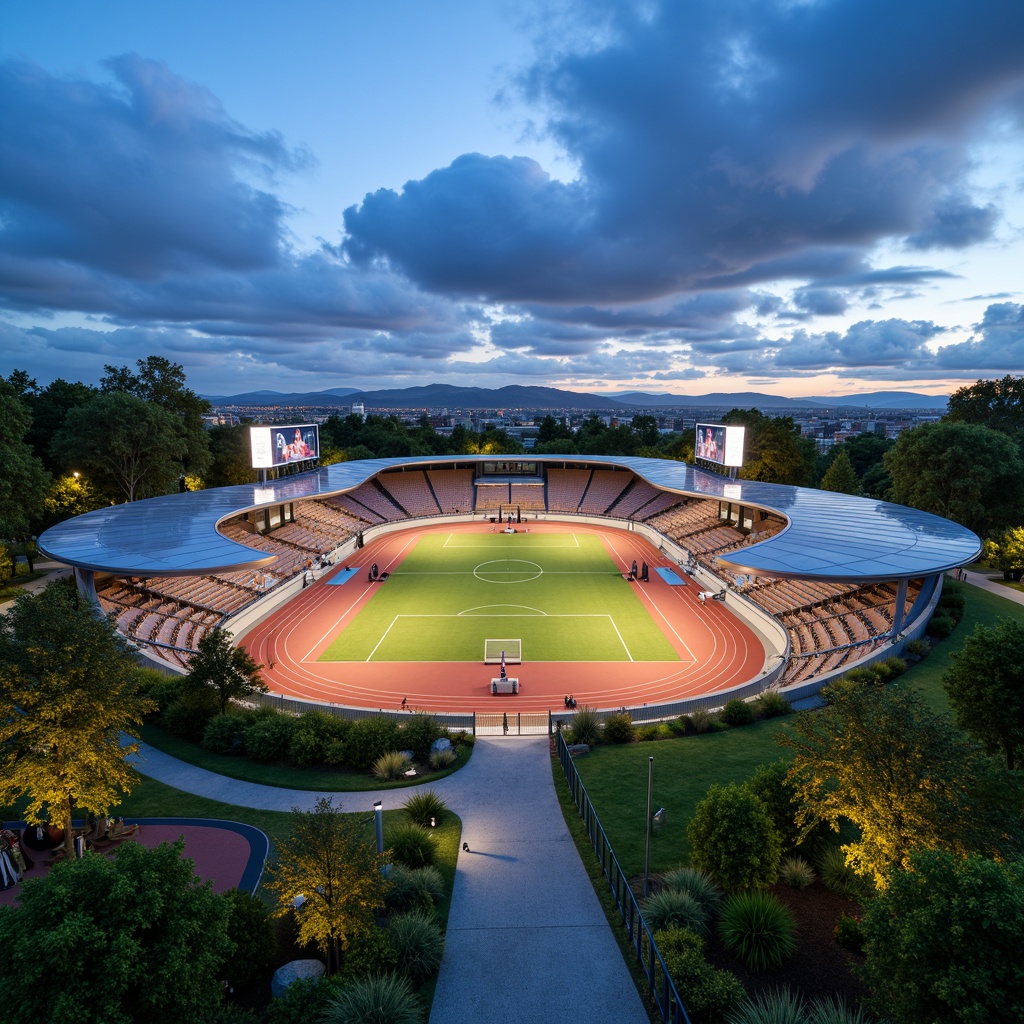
{"x": 660, "y": 985}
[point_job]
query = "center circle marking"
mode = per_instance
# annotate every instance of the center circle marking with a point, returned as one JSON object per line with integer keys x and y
{"x": 524, "y": 574}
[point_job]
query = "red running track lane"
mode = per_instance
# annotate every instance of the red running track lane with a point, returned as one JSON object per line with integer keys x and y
{"x": 719, "y": 650}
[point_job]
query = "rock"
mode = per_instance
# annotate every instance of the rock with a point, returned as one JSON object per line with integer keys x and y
{"x": 442, "y": 744}
{"x": 284, "y": 976}
{"x": 578, "y": 749}
{"x": 408, "y": 755}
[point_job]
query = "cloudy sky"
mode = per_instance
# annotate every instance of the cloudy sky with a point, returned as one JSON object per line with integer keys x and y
{"x": 803, "y": 197}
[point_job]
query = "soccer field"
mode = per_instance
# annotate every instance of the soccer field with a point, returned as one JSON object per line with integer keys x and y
{"x": 561, "y": 594}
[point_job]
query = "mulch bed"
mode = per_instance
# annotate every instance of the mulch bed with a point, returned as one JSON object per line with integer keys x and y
{"x": 820, "y": 966}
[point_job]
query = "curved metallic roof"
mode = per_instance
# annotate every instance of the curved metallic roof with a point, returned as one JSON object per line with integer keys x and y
{"x": 830, "y": 536}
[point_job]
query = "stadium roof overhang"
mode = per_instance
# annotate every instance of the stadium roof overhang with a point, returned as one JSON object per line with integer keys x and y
{"x": 829, "y": 536}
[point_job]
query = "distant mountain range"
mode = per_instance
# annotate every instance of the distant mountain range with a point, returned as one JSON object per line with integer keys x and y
{"x": 516, "y": 396}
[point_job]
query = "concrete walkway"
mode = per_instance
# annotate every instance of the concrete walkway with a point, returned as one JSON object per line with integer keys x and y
{"x": 527, "y": 939}
{"x": 980, "y": 579}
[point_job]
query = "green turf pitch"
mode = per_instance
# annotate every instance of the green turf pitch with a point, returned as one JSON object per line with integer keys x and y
{"x": 561, "y": 594}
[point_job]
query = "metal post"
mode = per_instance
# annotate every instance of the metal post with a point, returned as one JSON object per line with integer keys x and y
{"x": 378, "y": 820}
{"x": 647, "y": 850}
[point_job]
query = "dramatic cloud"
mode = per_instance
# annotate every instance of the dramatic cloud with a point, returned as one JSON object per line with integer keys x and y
{"x": 997, "y": 346}
{"x": 718, "y": 141}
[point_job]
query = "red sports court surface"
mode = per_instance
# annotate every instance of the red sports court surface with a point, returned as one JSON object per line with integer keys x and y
{"x": 725, "y": 652}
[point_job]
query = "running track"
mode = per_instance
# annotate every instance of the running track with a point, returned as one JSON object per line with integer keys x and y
{"x": 718, "y": 650}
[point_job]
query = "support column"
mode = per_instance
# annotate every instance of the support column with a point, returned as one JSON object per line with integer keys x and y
{"x": 900, "y": 614}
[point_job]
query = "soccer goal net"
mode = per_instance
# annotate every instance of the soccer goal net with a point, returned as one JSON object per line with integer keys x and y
{"x": 512, "y": 649}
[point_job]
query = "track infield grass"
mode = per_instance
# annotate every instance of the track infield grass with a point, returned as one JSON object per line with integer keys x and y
{"x": 561, "y": 594}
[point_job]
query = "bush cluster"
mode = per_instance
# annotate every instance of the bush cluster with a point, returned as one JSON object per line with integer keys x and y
{"x": 758, "y": 929}
{"x": 737, "y": 712}
{"x": 709, "y": 993}
{"x": 309, "y": 740}
{"x": 619, "y": 729}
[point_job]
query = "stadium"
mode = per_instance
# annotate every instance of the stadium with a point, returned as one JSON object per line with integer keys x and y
{"x": 479, "y": 586}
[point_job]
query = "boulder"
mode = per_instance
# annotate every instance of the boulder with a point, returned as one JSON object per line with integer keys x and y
{"x": 442, "y": 744}
{"x": 284, "y": 976}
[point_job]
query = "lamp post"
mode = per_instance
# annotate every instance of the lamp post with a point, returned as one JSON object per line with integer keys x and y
{"x": 647, "y": 849}
{"x": 378, "y": 820}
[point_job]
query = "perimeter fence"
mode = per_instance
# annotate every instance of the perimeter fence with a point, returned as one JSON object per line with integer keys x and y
{"x": 660, "y": 985}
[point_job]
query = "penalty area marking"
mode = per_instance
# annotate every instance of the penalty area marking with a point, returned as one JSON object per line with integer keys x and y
{"x": 425, "y": 615}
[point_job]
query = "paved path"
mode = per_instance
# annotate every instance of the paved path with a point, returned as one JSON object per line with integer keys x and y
{"x": 527, "y": 939}
{"x": 980, "y": 579}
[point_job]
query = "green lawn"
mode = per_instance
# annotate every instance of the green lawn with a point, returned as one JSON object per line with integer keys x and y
{"x": 616, "y": 777}
{"x": 561, "y": 594}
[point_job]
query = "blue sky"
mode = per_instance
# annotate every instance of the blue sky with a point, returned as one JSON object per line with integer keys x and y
{"x": 801, "y": 196}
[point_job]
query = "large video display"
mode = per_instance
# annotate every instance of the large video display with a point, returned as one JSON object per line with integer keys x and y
{"x": 718, "y": 443}
{"x": 279, "y": 446}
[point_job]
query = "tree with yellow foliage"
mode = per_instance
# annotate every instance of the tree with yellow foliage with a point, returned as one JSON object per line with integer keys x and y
{"x": 332, "y": 864}
{"x": 69, "y": 689}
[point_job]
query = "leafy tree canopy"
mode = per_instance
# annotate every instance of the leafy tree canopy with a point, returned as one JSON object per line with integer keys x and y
{"x": 905, "y": 776}
{"x": 68, "y": 690}
{"x": 23, "y": 480}
{"x": 131, "y": 447}
{"x": 230, "y": 670}
{"x": 943, "y": 941}
{"x": 134, "y": 940}
{"x": 329, "y": 860}
{"x": 1006, "y": 553}
{"x": 969, "y": 473}
{"x": 998, "y": 404}
{"x": 985, "y": 683}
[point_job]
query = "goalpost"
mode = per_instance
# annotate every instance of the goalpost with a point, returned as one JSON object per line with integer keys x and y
{"x": 513, "y": 651}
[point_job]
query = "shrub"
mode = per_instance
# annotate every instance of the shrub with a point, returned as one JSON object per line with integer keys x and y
{"x": 779, "y": 1007}
{"x": 837, "y": 874}
{"x": 834, "y": 1011}
{"x": 368, "y": 739}
{"x": 795, "y": 871}
{"x": 418, "y": 733}
{"x": 268, "y": 736}
{"x": 223, "y": 734}
{"x": 367, "y": 953}
{"x": 619, "y": 729}
{"x": 758, "y": 929}
{"x": 682, "y": 726}
{"x": 419, "y": 944}
{"x": 952, "y": 600}
{"x": 413, "y": 889}
{"x": 411, "y": 845}
{"x": 160, "y": 687}
{"x": 849, "y": 933}
{"x": 918, "y": 648}
{"x": 392, "y": 765}
{"x": 770, "y": 785}
{"x": 421, "y": 807}
{"x": 650, "y": 733}
{"x": 737, "y": 712}
{"x": 699, "y": 884}
{"x": 941, "y": 626}
{"x": 585, "y": 726}
{"x": 771, "y": 704}
{"x": 734, "y": 839}
{"x": 303, "y": 1002}
{"x": 441, "y": 759}
{"x": 889, "y": 669}
{"x": 251, "y": 930}
{"x": 373, "y": 1000}
{"x": 188, "y": 716}
{"x": 859, "y": 675}
{"x": 318, "y": 738}
{"x": 672, "y": 909}
{"x": 707, "y": 992}
{"x": 701, "y": 721}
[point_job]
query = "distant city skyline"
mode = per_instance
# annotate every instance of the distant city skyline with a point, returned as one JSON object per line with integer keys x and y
{"x": 798, "y": 197}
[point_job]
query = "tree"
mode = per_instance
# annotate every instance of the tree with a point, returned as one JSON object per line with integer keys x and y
{"x": 905, "y": 776}
{"x": 132, "y": 446}
{"x": 985, "y": 684}
{"x": 774, "y": 450}
{"x": 163, "y": 383}
{"x": 734, "y": 839}
{"x": 1006, "y": 553}
{"x": 23, "y": 480}
{"x": 97, "y": 941}
{"x": 943, "y": 941}
{"x": 328, "y": 860}
{"x": 49, "y": 408}
{"x": 69, "y": 496}
{"x": 228, "y": 669}
{"x": 69, "y": 688}
{"x": 841, "y": 477}
{"x": 966, "y": 472}
{"x": 998, "y": 404}
{"x": 231, "y": 456}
